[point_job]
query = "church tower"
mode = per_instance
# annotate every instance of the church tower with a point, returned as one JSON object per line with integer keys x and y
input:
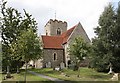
{"x": 55, "y": 27}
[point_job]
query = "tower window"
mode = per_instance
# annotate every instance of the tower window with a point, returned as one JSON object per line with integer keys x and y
{"x": 54, "y": 56}
{"x": 58, "y": 31}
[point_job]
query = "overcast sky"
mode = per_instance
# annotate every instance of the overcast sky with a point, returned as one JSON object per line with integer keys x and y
{"x": 86, "y": 12}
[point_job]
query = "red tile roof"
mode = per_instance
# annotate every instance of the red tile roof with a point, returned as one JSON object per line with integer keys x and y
{"x": 52, "y": 42}
{"x": 57, "y": 41}
{"x": 66, "y": 34}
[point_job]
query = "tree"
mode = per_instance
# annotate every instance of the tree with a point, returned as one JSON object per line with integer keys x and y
{"x": 117, "y": 40}
{"x": 14, "y": 28}
{"x": 10, "y": 27}
{"x": 78, "y": 50}
{"x": 28, "y": 46}
{"x": 104, "y": 43}
{"x": 0, "y": 57}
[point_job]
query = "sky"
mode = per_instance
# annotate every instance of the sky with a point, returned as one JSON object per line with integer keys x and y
{"x": 86, "y": 12}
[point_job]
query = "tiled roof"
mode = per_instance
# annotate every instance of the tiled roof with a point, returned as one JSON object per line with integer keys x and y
{"x": 66, "y": 34}
{"x": 52, "y": 42}
{"x": 57, "y": 41}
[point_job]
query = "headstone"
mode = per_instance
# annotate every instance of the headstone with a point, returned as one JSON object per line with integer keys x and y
{"x": 115, "y": 77}
{"x": 8, "y": 73}
{"x": 62, "y": 65}
{"x": 48, "y": 65}
{"x": 18, "y": 70}
{"x": 110, "y": 72}
{"x": 7, "y": 69}
{"x": 57, "y": 68}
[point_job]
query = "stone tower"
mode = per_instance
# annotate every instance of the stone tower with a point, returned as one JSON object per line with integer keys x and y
{"x": 55, "y": 27}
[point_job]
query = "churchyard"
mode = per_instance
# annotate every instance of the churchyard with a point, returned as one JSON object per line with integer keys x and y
{"x": 85, "y": 74}
{"x": 21, "y": 44}
{"x": 20, "y": 77}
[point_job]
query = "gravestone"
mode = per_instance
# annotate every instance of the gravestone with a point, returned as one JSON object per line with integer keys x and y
{"x": 18, "y": 70}
{"x": 48, "y": 65}
{"x": 62, "y": 65}
{"x": 110, "y": 71}
{"x": 8, "y": 75}
{"x": 57, "y": 68}
{"x": 115, "y": 77}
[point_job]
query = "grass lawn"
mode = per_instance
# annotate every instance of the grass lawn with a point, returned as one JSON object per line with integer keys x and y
{"x": 20, "y": 77}
{"x": 86, "y": 74}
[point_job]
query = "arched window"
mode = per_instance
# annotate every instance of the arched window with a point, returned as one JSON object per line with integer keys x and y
{"x": 58, "y": 31}
{"x": 54, "y": 56}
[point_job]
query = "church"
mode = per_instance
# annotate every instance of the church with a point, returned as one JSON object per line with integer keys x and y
{"x": 56, "y": 42}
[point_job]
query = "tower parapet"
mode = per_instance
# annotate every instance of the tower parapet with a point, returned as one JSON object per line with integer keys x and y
{"x": 55, "y": 27}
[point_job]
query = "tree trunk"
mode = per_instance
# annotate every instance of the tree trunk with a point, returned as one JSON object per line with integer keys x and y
{"x": 8, "y": 72}
{"x": 25, "y": 71}
{"x": 78, "y": 69}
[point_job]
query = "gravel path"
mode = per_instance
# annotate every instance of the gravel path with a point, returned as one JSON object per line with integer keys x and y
{"x": 43, "y": 76}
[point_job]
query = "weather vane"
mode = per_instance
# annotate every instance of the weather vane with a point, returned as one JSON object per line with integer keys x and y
{"x": 55, "y": 14}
